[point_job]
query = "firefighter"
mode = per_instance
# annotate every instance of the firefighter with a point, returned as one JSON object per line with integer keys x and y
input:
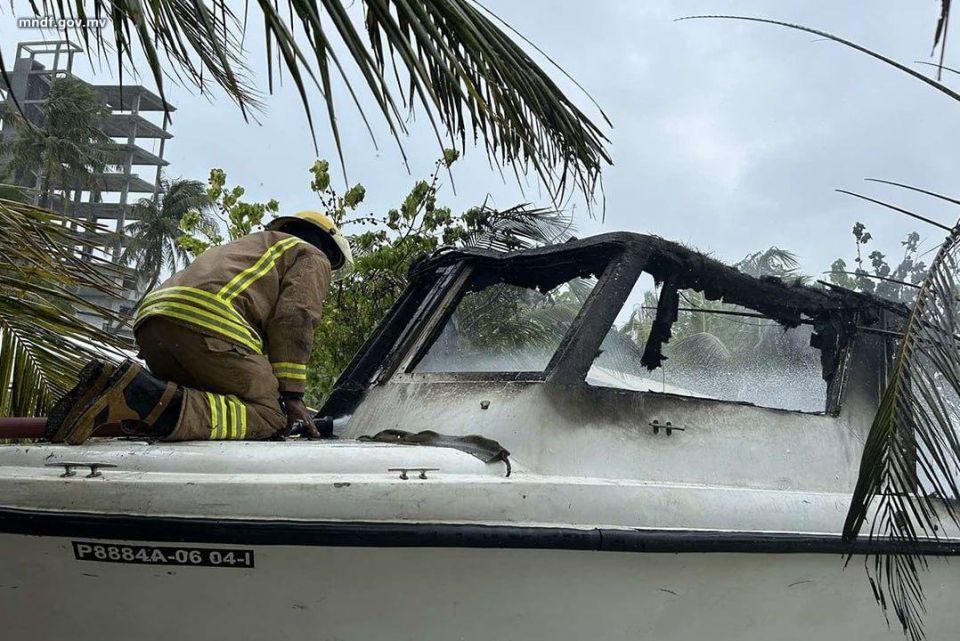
{"x": 226, "y": 341}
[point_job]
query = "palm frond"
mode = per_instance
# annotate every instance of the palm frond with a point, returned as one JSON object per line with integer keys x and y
{"x": 466, "y": 72}
{"x": 43, "y": 345}
{"x": 13, "y": 193}
{"x": 770, "y": 262}
{"x": 918, "y": 190}
{"x": 900, "y": 210}
{"x": 939, "y": 67}
{"x": 515, "y": 322}
{"x": 911, "y": 461}
{"x": 518, "y": 227}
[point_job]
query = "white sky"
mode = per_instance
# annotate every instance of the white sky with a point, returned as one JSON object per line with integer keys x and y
{"x": 730, "y": 137}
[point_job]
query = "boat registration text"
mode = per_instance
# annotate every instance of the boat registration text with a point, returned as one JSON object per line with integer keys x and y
{"x": 161, "y": 555}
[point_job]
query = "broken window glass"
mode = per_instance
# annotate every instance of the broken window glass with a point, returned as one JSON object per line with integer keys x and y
{"x": 505, "y": 327}
{"x": 716, "y": 351}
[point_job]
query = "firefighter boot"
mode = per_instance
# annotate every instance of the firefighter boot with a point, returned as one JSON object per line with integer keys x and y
{"x": 132, "y": 394}
{"x": 93, "y": 379}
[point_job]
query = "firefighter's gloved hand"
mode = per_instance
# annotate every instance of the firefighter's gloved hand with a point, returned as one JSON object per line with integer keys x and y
{"x": 297, "y": 411}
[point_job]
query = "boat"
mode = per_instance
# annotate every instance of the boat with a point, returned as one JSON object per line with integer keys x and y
{"x": 478, "y": 491}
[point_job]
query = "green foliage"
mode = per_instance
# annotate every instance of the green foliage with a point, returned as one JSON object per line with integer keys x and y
{"x": 873, "y": 274}
{"x": 202, "y": 231}
{"x": 335, "y": 205}
{"x": 383, "y": 253}
{"x": 157, "y": 238}
{"x": 450, "y": 156}
{"x": 198, "y": 234}
{"x": 388, "y": 245}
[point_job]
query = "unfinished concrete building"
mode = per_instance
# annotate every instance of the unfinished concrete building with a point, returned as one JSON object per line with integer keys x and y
{"x": 138, "y": 131}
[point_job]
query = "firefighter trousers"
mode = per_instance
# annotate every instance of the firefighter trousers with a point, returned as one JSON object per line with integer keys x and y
{"x": 229, "y": 391}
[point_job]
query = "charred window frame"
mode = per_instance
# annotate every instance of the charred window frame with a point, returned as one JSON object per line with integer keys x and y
{"x": 835, "y": 315}
{"x": 618, "y": 259}
{"x": 529, "y": 271}
{"x": 376, "y": 359}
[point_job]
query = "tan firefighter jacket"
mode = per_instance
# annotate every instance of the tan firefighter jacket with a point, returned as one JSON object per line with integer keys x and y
{"x": 263, "y": 292}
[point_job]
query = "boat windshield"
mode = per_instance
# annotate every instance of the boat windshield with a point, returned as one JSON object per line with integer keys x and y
{"x": 717, "y": 351}
{"x": 505, "y": 327}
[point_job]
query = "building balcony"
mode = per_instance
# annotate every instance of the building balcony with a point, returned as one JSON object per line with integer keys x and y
{"x": 115, "y": 182}
{"x": 117, "y": 154}
{"x": 125, "y": 98}
{"x": 100, "y": 211}
{"x": 121, "y": 125}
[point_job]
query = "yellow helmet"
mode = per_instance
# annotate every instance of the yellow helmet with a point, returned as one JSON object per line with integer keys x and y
{"x": 342, "y": 264}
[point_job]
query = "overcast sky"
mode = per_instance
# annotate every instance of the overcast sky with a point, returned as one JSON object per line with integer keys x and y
{"x": 730, "y": 137}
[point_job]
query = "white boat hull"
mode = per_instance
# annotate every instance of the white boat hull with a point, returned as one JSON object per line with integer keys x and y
{"x": 341, "y": 547}
{"x": 439, "y": 594}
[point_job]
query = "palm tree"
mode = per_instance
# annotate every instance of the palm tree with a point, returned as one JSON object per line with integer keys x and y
{"x": 452, "y": 57}
{"x": 65, "y": 149}
{"x": 153, "y": 246}
{"x": 43, "y": 344}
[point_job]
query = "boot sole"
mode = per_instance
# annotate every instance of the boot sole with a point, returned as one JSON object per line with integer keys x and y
{"x": 93, "y": 378}
{"x": 80, "y": 429}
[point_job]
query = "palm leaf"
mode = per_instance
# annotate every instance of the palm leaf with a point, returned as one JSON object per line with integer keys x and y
{"x": 899, "y": 210}
{"x": 911, "y": 459}
{"x": 918, "y": 190}
{"x": 518, "y": 227}
{"x": 941, "y": 68}
{"x": 461, "y": 67}
{"x": 770, "y": 262}
{"x": 43, "y": 344}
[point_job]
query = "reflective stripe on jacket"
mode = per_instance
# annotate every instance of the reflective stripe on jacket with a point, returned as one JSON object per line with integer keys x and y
{"x": 263, "y": 292}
